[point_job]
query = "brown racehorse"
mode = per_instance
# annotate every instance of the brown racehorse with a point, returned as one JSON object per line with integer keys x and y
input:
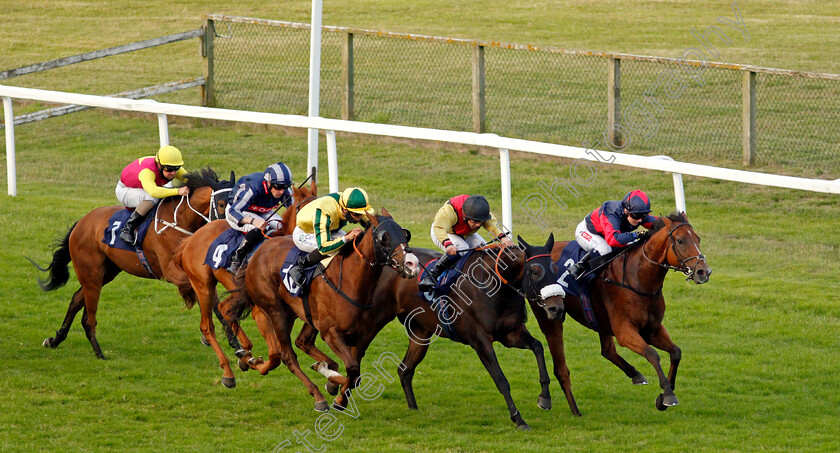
{"x": 486, "y": 304}
{"x": 341, "y": 304}
{"x": 628, "y": 304}
{"x": 96, "y": 264}
{"x": 199, "y": 282}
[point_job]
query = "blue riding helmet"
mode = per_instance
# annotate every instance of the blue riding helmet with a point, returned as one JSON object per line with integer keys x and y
{"x": 636, "y": 202}
{"x": 278, "y": 173}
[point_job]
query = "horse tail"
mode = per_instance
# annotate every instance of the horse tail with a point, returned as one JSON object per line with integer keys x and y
{"x": 58, "y": 269}
{"x": 175, "y": 274}
{"x": 237, "y": 304}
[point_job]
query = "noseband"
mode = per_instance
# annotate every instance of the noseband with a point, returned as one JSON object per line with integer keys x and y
{"x": 383, "y": 257}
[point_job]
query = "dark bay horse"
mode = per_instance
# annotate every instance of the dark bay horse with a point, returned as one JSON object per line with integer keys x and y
{"x": 96, "y": 264}
{"x": 627, "y": 301}
{"x": 486, "y": 304}
{"x": 341, "y": 304}
{"x": 199, "y": 282}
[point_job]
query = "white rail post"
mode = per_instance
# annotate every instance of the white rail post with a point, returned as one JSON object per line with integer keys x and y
{"x": 10, "y": 145}
{"x": 679, "y": 190}
{"x": 507, "y": 209}
{"x": 332, "y": 161}
{"x": 314, "y": 81}
{"x": 163, "y": 128}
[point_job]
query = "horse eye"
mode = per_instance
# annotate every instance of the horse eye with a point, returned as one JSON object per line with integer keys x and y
{"x": 679, "y": 241}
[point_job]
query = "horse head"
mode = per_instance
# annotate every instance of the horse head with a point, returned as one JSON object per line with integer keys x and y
{"x": 681, "y": 245}
{"x": 539, "y": 280}
{"x": 390, "y": 245}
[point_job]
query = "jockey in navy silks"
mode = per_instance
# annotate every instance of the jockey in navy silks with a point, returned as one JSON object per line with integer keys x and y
{"x": 611, "y": 226}
{"x": 252, "y": 208}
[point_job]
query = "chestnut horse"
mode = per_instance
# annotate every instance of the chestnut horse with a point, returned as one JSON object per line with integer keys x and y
{"x": 96, "y": 264}
{"x": 341, "y": 305}
{"x": 489, "y": 306}
{"x": 627, "y": 301}
{"x": 199, "y": 282}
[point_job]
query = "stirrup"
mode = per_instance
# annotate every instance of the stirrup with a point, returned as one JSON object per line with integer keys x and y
{"x": 128, "y": 236}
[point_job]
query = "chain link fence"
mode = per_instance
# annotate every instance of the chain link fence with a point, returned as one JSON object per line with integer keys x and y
{"x": 525, "y": 92}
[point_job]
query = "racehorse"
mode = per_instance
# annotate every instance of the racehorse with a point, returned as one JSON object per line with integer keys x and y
{"x": 627, "y": 301}
{"x": 340, "y": 305}
{"x": 199, "y": 282}
{"x": 96, "y": 264}
{"x": 489, "y": 307}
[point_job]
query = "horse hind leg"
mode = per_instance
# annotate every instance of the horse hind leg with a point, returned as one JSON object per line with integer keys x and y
{"x": 77, "y": 302}
{"x": 91, "y": 290}
{"x": 325, "y": 365}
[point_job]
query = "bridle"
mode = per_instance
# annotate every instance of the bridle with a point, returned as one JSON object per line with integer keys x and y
{"x": 682, "y": 266}
{"x": 529, "y": 284}
{"x": 383, "y": 257}
{"x": 213, "y": 214}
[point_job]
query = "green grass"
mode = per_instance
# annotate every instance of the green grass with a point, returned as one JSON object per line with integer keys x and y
{"x": 759, "y": 340}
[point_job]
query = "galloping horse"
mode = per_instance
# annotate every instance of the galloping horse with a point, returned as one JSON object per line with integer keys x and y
{"x": 490, "y": 307}
{"x": 627, "y": 301}
{"x": 199, "y": 282}
{"x": 96, "y": 263}
{"x": 340, "y": 305}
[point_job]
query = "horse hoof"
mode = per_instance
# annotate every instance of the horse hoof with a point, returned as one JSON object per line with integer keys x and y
{"x": 242, "y": 353}
{"x": 243, "y": 364}
{"x": 337, "y": 406}
{"x": 229, "y": 382}
{"x": 663, "y": 402}
{"x": 205, "y": 342}
{"x": 254, "y": 361}
{"x": 331, "y": 388}
{"x": 48, "y": 343}
{"x": 639, "y": 379}
{"x": 322, "y": 406}
{"x": 523, "y": 427}
{"x": 544, "y": 403}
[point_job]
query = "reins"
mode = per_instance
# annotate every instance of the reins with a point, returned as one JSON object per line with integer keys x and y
{"x": 174, "y": 223}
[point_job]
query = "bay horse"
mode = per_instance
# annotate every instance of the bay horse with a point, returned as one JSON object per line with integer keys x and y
{"x": 627, "y": 301}
{"x": 199, "y": 282}
{"x": 341, "y": 302}
{"x": 489, "y": 307}
{"x": 96, "y": 264}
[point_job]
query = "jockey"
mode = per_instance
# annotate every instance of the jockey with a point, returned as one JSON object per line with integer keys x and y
{"x": 455, "y": 230}
{"x": 319, "y": 224}
{"x": 144, "y": 182}
{"x": 611, "y": 225}
{"x": 252, "y": 209}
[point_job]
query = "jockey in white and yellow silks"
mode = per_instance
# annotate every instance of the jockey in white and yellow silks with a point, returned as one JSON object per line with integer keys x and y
{"x": 319, "y": 224}
{"x": 144, "y": 182}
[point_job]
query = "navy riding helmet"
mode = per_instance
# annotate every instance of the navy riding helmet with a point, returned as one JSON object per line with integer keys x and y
{"x": 636, "y": 202}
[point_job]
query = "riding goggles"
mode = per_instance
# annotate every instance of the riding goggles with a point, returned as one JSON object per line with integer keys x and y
{"x": 638, "y": 215}
{"x": 280, "y": 187}
{"x": 170, "y": 167}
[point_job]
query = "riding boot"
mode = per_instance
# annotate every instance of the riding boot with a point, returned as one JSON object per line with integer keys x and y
{"x": 581, "y": 266}
{"x": 430, "y": 279}
{"x": 252, "y": 239}
{"x": 128, "y": 233}
{"x": 297, "y": 272}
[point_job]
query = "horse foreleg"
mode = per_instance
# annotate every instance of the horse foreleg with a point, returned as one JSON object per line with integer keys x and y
{"x": 76, "y": 304}
{"x": 609, "y": 352}
{"x": 484, "y": 349}
{"x": 325, "y": 365}
{"x": 336, "y": 342}
{"x": 629, "y": 338}
{"x": 660, "y": 339}
{"x": 282, "y": 326}
{"x": 413, "y": 356}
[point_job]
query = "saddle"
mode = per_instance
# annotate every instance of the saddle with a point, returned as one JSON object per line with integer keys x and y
{"x": 111, "y": 234}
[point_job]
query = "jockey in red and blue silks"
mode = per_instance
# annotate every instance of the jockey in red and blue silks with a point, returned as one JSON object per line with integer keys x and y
{"x": 611, "y": 226}
{"x": 253, "y": 207}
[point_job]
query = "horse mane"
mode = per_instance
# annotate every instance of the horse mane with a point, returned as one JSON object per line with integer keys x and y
{"x": 659, "y": 224}
{"x": 203, "y": 177}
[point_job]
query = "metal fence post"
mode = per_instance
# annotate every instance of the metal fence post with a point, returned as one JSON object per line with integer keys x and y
{"x": 614, "y": 100}
{"x": 11, "y": 172}
{"x": 478, "y": 105}
{"x": 208, "y": 91}
{"x": 748, "y": 116}
{"x": 348, "y": 86}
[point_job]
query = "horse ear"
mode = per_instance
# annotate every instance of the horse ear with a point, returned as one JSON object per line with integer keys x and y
{"x": 549, "y": 244}
{"x": 385, "y": 212}
{"x": 522, "y": 241}
{"x": 232, "y": 179}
